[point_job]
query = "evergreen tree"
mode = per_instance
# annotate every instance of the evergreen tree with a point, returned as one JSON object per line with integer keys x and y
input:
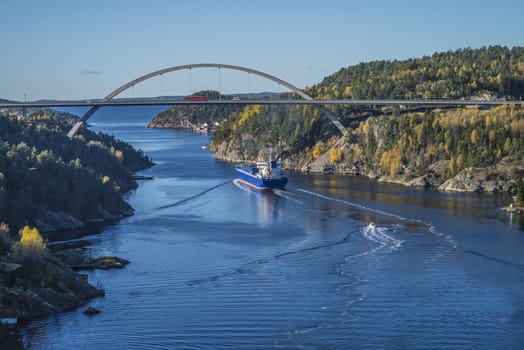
{"x": 519, "y": 197}
{"x": 42, "y": 169}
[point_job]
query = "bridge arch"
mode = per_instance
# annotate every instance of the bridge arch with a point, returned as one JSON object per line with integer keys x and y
{"x": 140, "y": 79}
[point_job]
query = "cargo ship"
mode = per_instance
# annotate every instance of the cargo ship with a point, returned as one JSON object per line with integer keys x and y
{"x": 262, "y": 175}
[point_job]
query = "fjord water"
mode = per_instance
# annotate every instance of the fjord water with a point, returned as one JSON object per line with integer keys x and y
{"x": 329, "y": 263}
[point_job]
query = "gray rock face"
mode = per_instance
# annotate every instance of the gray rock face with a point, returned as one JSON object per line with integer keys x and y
{"x": 501, "y": 177}
{"x": 49, "y": 221}
{"x": 461, "y": 185}
{"x": 52, "y": 221}
{"x": 498, "y": 178}
{"x": 225, "y": 152}
{"x": 421, "y": 181}
{"x": 43, "y": 285}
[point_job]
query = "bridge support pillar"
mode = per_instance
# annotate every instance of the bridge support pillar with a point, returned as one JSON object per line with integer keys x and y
{"x": 334, "y": 120}
{"x": 396, "y": 111}
{"x": 74, "y": 129}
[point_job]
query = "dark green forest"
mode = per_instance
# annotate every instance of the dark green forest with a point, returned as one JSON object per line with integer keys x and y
{"x": 42, "y": 169}
{"x": 496, "y": 71}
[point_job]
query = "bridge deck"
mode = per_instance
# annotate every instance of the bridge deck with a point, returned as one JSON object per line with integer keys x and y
{"x": 168, "y": 102}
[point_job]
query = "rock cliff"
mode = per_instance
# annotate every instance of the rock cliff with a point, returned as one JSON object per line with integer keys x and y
{"x": 500, "y": 177}
{"x": 39, "y": 284}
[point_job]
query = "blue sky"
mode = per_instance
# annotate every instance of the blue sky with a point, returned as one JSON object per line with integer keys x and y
{"x": 85, "y": 49}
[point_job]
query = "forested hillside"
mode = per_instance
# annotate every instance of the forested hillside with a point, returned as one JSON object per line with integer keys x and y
{"x": 494, "y": 71}
{"x": 436, "y": 144}
{"x": 43, "y": 172}
{"x": 441, "y": 144}
{"x": 288, "y": 130}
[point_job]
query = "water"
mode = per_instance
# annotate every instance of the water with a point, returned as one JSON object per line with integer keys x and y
{"x": 330, "y": 263}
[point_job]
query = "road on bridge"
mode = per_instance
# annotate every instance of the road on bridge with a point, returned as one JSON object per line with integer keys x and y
{"x": 168, "y": 102}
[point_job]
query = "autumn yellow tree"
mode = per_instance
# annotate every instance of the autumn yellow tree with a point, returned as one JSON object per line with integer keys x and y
{"x": 391, "y": 161}
{"x": 30, "y": 238}
{"x": 357, "y": 151}
{"x": 452, "y": 166}
{"x": 119, "y": 155}
{"x": 365, "y": 126}
{"x": 431, "y": 152}
{"x": 347, "y": 92}
{"x": 492, "y": 136}
{"x": 335, "y": 154}
{"x": 396, "y": 165}
{"x": 474, "y": 137}
{"x": 459, "y": 162}
{"x": 318, "y": 149}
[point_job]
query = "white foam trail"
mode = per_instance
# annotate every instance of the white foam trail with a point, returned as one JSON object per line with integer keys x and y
{"x": 285, "y": 194}
{"x": 244, "y": 187}
{"x": 354, "y": 205}
{"x": 237, "y": 183}
{"x": 378, "y": 235}
{"x": 429, "y": 226}
{"x": 446, "y": 237}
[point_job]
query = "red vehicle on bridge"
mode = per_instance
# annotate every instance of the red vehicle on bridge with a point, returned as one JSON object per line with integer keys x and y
{"x": 196, "y": 98}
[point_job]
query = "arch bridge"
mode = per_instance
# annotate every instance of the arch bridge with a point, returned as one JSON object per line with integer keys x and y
{"x": 132, "y": 83}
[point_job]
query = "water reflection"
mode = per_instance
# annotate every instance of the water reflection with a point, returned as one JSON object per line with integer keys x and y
{"x": 516, "y": 219}
{"x": 266, "y": 203}
{"x": 480, "y": 206}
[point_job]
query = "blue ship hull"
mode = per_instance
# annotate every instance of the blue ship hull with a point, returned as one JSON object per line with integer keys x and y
{"x": 261, "y": 183}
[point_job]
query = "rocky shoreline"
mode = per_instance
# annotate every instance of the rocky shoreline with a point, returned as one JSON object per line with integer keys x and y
{"x": 52, "y": 223}
{"x": 40, "y": 285}
{"x": 36, "y": 284}
{"x": 499, "y": 178}
{"x": 74, "y": 188}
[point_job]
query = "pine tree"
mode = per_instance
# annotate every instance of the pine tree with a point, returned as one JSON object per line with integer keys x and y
{"x": 519, "y": 197}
